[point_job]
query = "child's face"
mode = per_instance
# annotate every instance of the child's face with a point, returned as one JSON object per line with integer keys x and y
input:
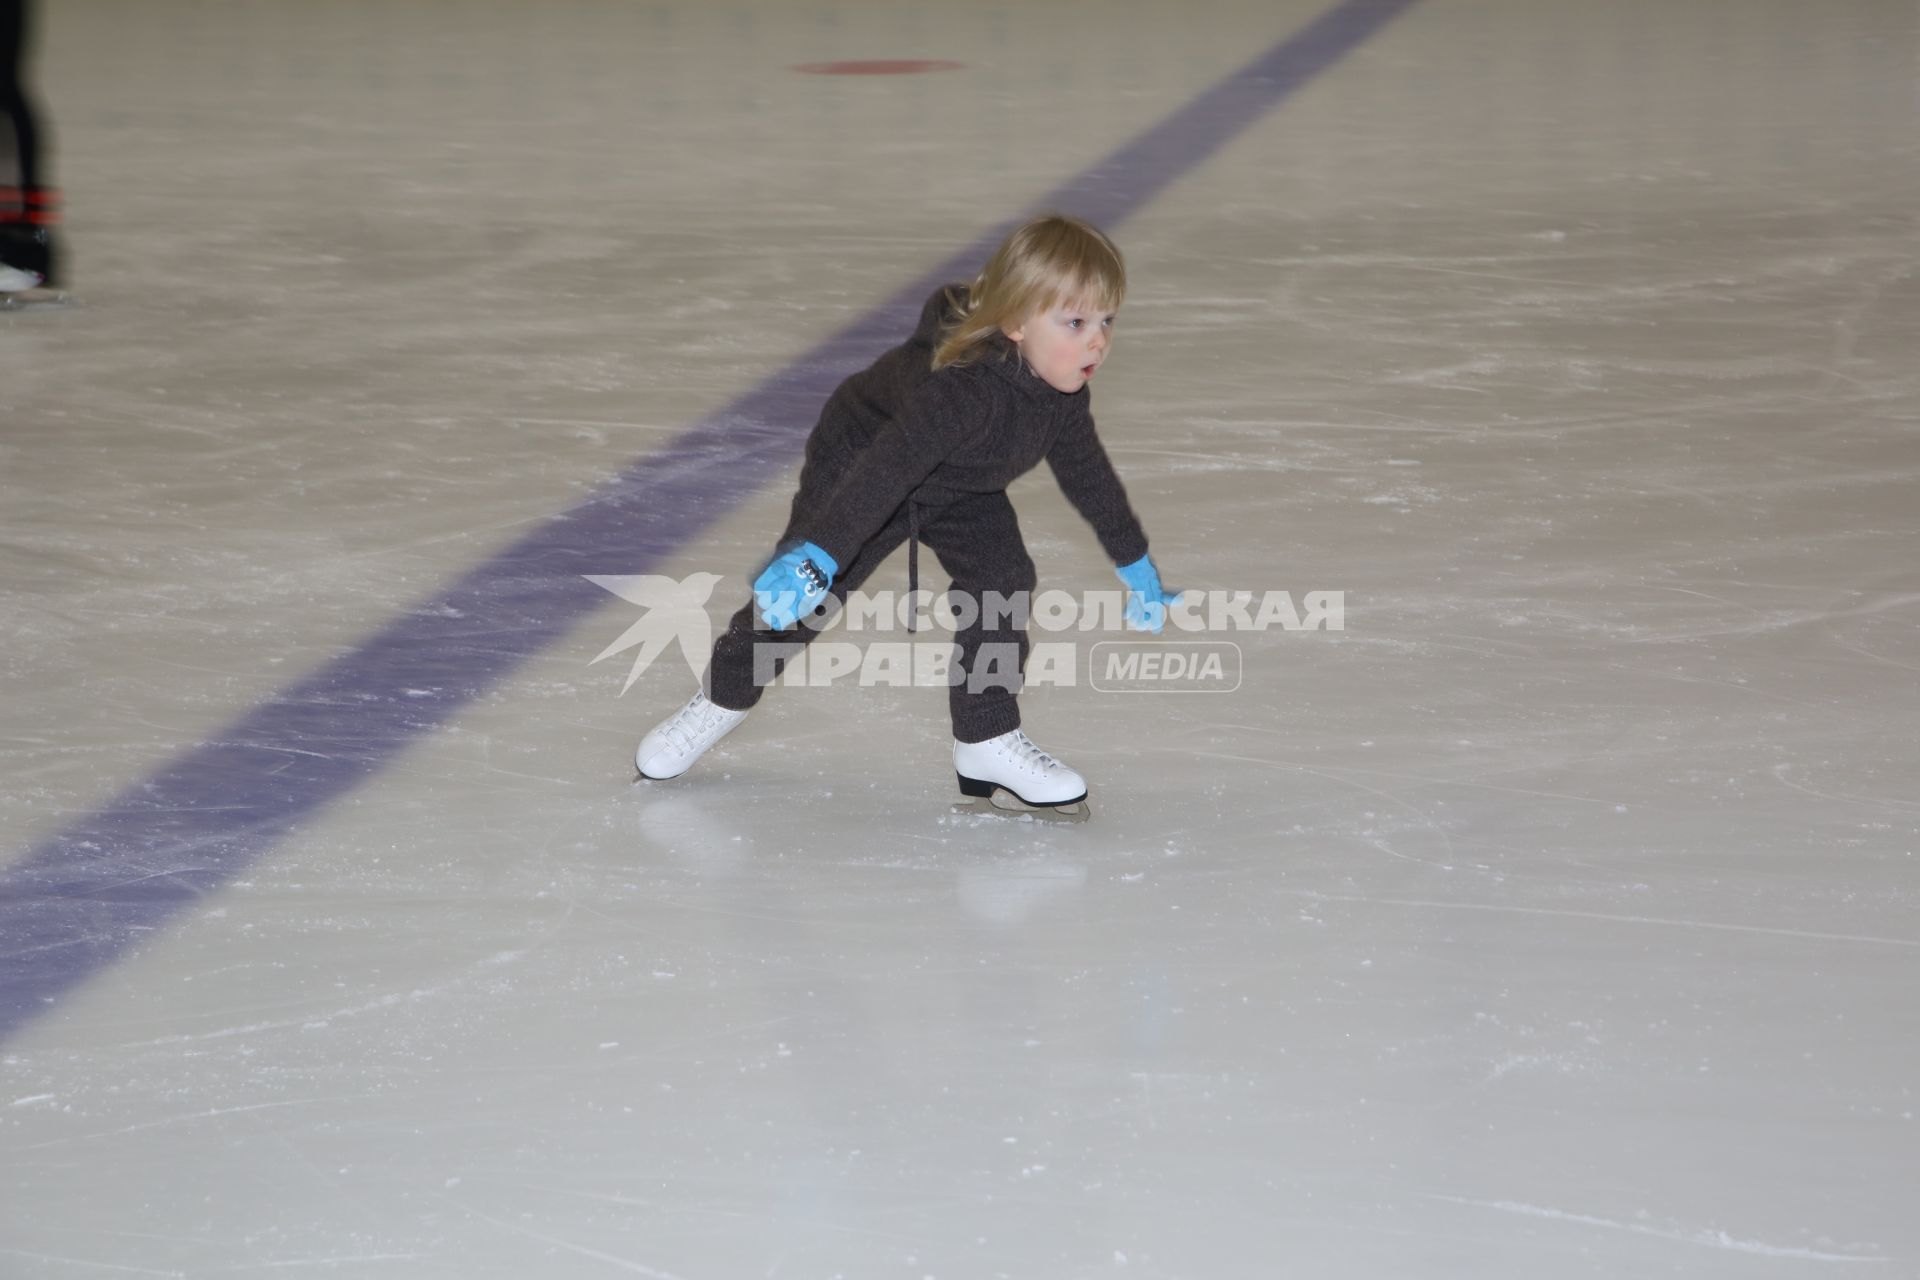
{"x": 1066, "y": 343}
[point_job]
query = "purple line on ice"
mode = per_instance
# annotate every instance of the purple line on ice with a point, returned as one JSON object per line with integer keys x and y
{"x": 75, "y": 904}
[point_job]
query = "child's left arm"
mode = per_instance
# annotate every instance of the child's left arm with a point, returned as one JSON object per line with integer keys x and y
{"x": 1087, "y": 477}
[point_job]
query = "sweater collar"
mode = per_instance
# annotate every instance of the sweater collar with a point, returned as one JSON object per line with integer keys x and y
{"x": 1004, "y": 358}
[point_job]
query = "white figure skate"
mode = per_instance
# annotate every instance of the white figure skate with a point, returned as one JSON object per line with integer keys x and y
{"x": 1041, "y": 787}
{"x": 27, "y": 290}
{"x": 670, "y": 749}
{"x": 27, "y": 267}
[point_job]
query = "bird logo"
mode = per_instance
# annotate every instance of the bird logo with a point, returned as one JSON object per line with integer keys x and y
{"x": 676, "y": 610}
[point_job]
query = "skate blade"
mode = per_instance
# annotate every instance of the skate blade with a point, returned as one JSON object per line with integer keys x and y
{"x": 995, "y": 807}
{"x": 39, "y": 298}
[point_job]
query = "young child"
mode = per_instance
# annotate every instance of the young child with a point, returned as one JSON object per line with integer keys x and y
{"x": 922, "y": 445}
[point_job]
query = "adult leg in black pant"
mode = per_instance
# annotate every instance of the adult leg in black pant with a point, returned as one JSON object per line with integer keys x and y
{"x": 28, "y": 207}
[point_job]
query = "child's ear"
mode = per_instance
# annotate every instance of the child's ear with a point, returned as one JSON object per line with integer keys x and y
{"x": 1018, "y": 334}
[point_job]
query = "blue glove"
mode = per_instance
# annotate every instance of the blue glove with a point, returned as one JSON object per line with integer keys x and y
{"x": 793, "y": 585}
{"x": 1146, "y": 601}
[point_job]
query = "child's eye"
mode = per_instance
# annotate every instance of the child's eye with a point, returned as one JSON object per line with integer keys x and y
{"x": 1075, "y": 322}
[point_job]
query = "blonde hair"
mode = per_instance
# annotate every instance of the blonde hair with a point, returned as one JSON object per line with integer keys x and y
{"x": 1050, "y": 260}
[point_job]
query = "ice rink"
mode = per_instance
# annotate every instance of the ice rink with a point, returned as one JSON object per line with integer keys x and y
{"x": 1554, "y": 918}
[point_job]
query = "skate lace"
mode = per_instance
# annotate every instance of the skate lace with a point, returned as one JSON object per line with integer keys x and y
{"x": 692, "y": 721}
{"x": 1030, "y": 755}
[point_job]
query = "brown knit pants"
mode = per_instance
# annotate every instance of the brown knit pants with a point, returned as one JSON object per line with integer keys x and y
{"x": 978, "y": 542}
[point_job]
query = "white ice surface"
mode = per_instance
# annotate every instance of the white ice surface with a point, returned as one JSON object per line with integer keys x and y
{"x": 1557, "y": 918}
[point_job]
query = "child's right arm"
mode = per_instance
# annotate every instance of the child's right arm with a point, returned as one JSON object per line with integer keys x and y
{"x": 940, "y": 417}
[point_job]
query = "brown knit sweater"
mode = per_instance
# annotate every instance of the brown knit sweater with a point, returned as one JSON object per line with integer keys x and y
{"x": 900, "y": 431}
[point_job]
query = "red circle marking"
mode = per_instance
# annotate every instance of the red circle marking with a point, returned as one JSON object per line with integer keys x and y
{"x": 878, "y": 67}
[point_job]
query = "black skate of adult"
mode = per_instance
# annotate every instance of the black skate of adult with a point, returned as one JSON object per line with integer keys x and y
{"x": 1010, "y": 777}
